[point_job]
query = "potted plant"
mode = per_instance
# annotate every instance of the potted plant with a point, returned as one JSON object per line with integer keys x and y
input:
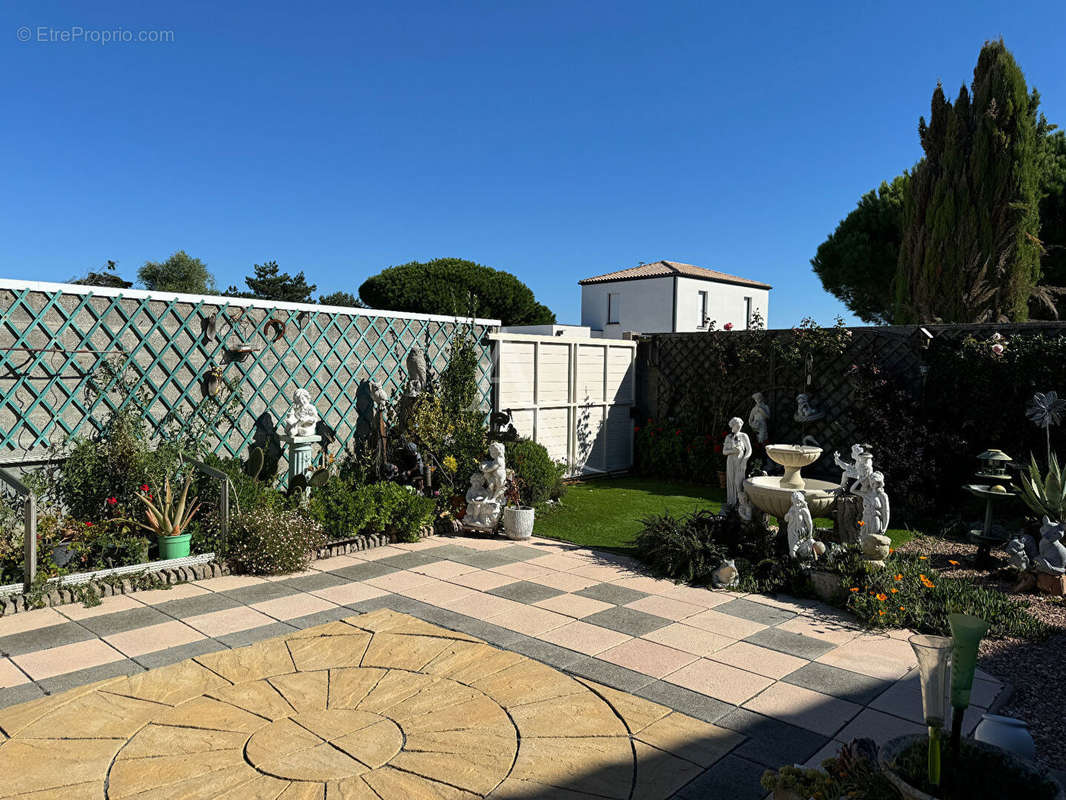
{"x": 168, "y": 517}
{"x": 517, "y": 518}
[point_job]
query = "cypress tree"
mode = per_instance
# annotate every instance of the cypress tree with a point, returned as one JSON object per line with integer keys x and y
{"x": 970, "y": 250}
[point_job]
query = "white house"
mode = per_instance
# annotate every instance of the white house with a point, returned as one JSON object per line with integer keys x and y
{"x": 670, "y": 297}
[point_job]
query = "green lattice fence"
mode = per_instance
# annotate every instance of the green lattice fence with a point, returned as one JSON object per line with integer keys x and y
{"x": 54, "y": 338}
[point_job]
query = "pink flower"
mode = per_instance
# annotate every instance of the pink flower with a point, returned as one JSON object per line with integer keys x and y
{"x": 997, "y": 337}
{"x": 997, "y": 349}
{"x": 728, "y": 326}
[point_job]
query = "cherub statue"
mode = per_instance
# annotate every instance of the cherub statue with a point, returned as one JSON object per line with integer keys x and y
{"x": 875, "y": 509}
{"x": 850, "y": 471}
{"x": 759, "y": 418}
{"x": 485, "y": 497}
{"x": 1052, "y": 558}
{"x": 495, "y": 471}
{"x": 805, "y": 412}
{"x": 799, "y": 521}
{"x": 303, "y": 416}
{"x": 737, "y": 450}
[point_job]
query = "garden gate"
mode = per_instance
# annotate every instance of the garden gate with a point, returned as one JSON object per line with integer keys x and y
{"x": 572, "y": 395}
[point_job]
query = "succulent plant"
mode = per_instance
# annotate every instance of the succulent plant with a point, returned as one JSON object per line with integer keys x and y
{"x": 1045, "y": 494}
{"x": 167, "y": 517}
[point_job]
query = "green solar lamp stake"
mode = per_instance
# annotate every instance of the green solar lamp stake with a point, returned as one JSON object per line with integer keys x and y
{"x": 966, "y": 634}
{"x": 934, "y": 659}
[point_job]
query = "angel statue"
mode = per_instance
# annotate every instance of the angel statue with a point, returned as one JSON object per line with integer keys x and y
{"x": 737, "y": 450}
{"x": 303, "y": 416}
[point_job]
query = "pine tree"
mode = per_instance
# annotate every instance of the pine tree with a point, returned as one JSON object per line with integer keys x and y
{"x": 970, "y": 250}
{"x": 269, "y": 283}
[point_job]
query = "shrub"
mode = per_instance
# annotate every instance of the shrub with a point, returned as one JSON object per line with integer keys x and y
{"x": 246, "y": 494}
{"x": 266, "y": 541}
{"x": 539, "y": 478}
{"x": 341, "y": 508}
{"x": 395, "y": 510}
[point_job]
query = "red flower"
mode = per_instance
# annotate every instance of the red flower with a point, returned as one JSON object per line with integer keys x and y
{"x": 636, "y": 429}
{"x": 88, "y": 524}
{"x": 144, "y": 487}
{"x": 728, "y": 326}
{"x": 112, "y": 501}
{"x": 677, "y": 432}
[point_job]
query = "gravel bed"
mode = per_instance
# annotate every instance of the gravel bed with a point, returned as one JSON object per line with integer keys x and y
{"x": 1035, "y": 670}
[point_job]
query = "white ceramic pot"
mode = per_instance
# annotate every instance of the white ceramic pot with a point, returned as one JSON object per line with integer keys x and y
{"x": 518, "y": 522}
{"x": 1007, "y": 733}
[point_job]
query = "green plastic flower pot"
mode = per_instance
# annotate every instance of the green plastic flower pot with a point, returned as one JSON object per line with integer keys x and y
{"x": 174, "y": 546}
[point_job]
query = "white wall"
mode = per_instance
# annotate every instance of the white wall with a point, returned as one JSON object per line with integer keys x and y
{"x": 647, "y": 306}
{"x": 571, "y": 395}
{"x": 725, "y": 303}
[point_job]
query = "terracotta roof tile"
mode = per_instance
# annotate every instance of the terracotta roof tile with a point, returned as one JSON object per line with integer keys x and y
{"x": 659, "y": 269}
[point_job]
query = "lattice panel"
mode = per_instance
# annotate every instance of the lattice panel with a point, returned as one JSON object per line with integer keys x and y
{"x": 53, "y": 343}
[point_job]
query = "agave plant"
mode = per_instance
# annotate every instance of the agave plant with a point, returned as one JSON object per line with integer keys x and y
{"x": 166, "y": 515}
{"x": 1044, "y": 494}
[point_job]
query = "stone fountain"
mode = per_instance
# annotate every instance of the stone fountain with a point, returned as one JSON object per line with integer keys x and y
{"x": 772, "y": 494}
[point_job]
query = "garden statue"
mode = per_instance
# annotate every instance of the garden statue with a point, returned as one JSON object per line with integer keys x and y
{"x": 726, "y": 576}
{"x": 1052, "y": 558}
{"x": 1021, "y": 551}
{"x": 744, "y": 508}
{"x": 861, "y": 459}
{"x": 799, "y": 521}
{"x": 485, "y": 497}
{"x": 809, "y": 550}
{"x": 417, "y": 372}
{"x": 875, "y": 514}
{"x": 378, "y": 395}
{"x": 759, "y": 418}
{"x": 737, "y": 450}
{"x": 805, "y": 412}
{"x": 303, "y": 416}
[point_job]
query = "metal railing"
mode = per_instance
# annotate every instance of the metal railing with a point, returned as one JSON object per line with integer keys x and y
{"x": 29, "y": 520}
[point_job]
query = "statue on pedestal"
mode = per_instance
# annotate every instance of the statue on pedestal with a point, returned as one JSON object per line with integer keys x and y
{"x": 303, "y": 416}
{"x": 800, "y": 523}
{"x": 861, "y": 461}
{"x": 737, "y": 450}
{"x": 759, "y": 418}
{"x": 875, "y": 514}
{"x": 485, "y": 497}
{"x": 805, "y": 412}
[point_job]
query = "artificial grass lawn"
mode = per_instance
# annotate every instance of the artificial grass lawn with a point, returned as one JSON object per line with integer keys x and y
{"x": 606, "y": 513}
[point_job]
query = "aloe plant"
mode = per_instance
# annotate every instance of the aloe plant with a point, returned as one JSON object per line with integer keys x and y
{"x": 1044, "y": 494}
{"x": 168, "y": 516}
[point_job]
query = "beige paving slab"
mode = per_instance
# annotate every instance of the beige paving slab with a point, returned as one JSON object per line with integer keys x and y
{"x": 30, "y": 621}
{"x": 108, "y": 605}
{"x": 878, "y": 726}
{"x": 689, "y": 639}
{"x": 531, "y": 621}
{"x": 227, "y": 583}
{"x": 874, "y": 655}
{"x": 521, "y": 569}
{"x": 666, "y": 607}
{"x": 293, "y": 606}
{"x": 482, "y": 580}
{"x": 10, "y": 675}
{"x": 444, "y": 569}
{"x": 691, "y": 739}
{"x": 573, "y": 605}
{"x": 425, "y": 543}
{"x": 152, "y": 638}
{"x": 584, "y": 638}
{"x": 558, "y": 561}
{"x": 335, "y": 562}
{"x": 485, "y": 606}
{"x": 827, "y": 631}
{"x": 378, "y": 553}
{"x": 603, "y": 573}
{"x": 720, "y": 681}
{"x": 230, "y": 620}
{"x": 724, "y": 624}
{"x": 154, "y": 597}
{"x": 347, "y": 593}
{"x": 760, "y": 660}
{"x": 564, "y": 581}
{"x": 42, "y": 664}
{"x": 648, "y": 658}
{"x": 643, "y": 583}
{"x": 703, "y": 597}
{"x": 395, "y": 581}
{"x": 807, "y": 709}
{"x": 436, "y": 592}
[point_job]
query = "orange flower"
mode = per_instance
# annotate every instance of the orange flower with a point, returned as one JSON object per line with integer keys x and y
{"x": 899, "y": 576}
{"x": 881, "y": 612}
{"x": 953, "y": 563}
{"x": 891, "y": 550}
{"x": 882, "y": 597}
{"x": 901, "y": 608}
{"x": 861, "y": 523}
{"x": 894, "y": 591}
{"x": 923, "y": 558}
{"x": 853, "y": 589}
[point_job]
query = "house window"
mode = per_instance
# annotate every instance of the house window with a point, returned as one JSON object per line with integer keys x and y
{"x": 613, "y": 302}
{"x": 747, "y": 313}
{"x": 702, "y": 323}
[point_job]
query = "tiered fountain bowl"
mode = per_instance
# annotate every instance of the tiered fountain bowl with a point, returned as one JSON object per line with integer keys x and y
{"x": 772, "y": 494}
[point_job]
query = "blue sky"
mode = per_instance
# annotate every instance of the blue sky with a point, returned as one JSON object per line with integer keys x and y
{"x": 555, "y": 140}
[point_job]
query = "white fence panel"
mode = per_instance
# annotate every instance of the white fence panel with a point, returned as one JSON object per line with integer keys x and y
{"x": 571, "y": 395}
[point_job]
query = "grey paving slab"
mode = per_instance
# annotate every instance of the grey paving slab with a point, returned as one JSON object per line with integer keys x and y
{"x": 372, "y": 604}
{"x": 320, "y": 617}
{"x": 60, "y": 683}
{"x": 732, "y": 777}
{"x": 493, "y": 634}
{"x": 43, "y": 638}
{"x": 487, "y": 559}
{"x": 122, "y": 621}
{"x": 24, "y": 692}
{"x": 545, "y": 652}
{"x": 772, "y": 742}
{"x": 525, "y": 592}
{"x": 625, "y": 680}
{"x": 609, "y": 593}
{"x": 627, "y": 620}
{"x": 442, "y": 617}
{"x": 755, "y": 612}
{"x": 312, "y": 583}
{"x": 454, "y": 552}
{"x": 364, "y": 571}
{"x": 520, "y": 552}
{"x": 685, "y": 700}
{"x": 795, "y": 644}
{"x": 260, "y": 592}
{"x": 841, "y": 683}
{"x": 200, "y": 604}
{"x": 252, "y": 635}
{"x": 409, "y": 560}
{"x": 173, "y": 655}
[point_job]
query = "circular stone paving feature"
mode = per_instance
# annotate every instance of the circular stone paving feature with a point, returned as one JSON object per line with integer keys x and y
{"x": 324, "y": 745}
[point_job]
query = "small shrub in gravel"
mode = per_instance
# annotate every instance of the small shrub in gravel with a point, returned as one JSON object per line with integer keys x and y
{"x": 266, "y": 541}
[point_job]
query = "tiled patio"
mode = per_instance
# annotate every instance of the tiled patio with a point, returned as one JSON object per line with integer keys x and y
{"x": 787, "y": 679}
